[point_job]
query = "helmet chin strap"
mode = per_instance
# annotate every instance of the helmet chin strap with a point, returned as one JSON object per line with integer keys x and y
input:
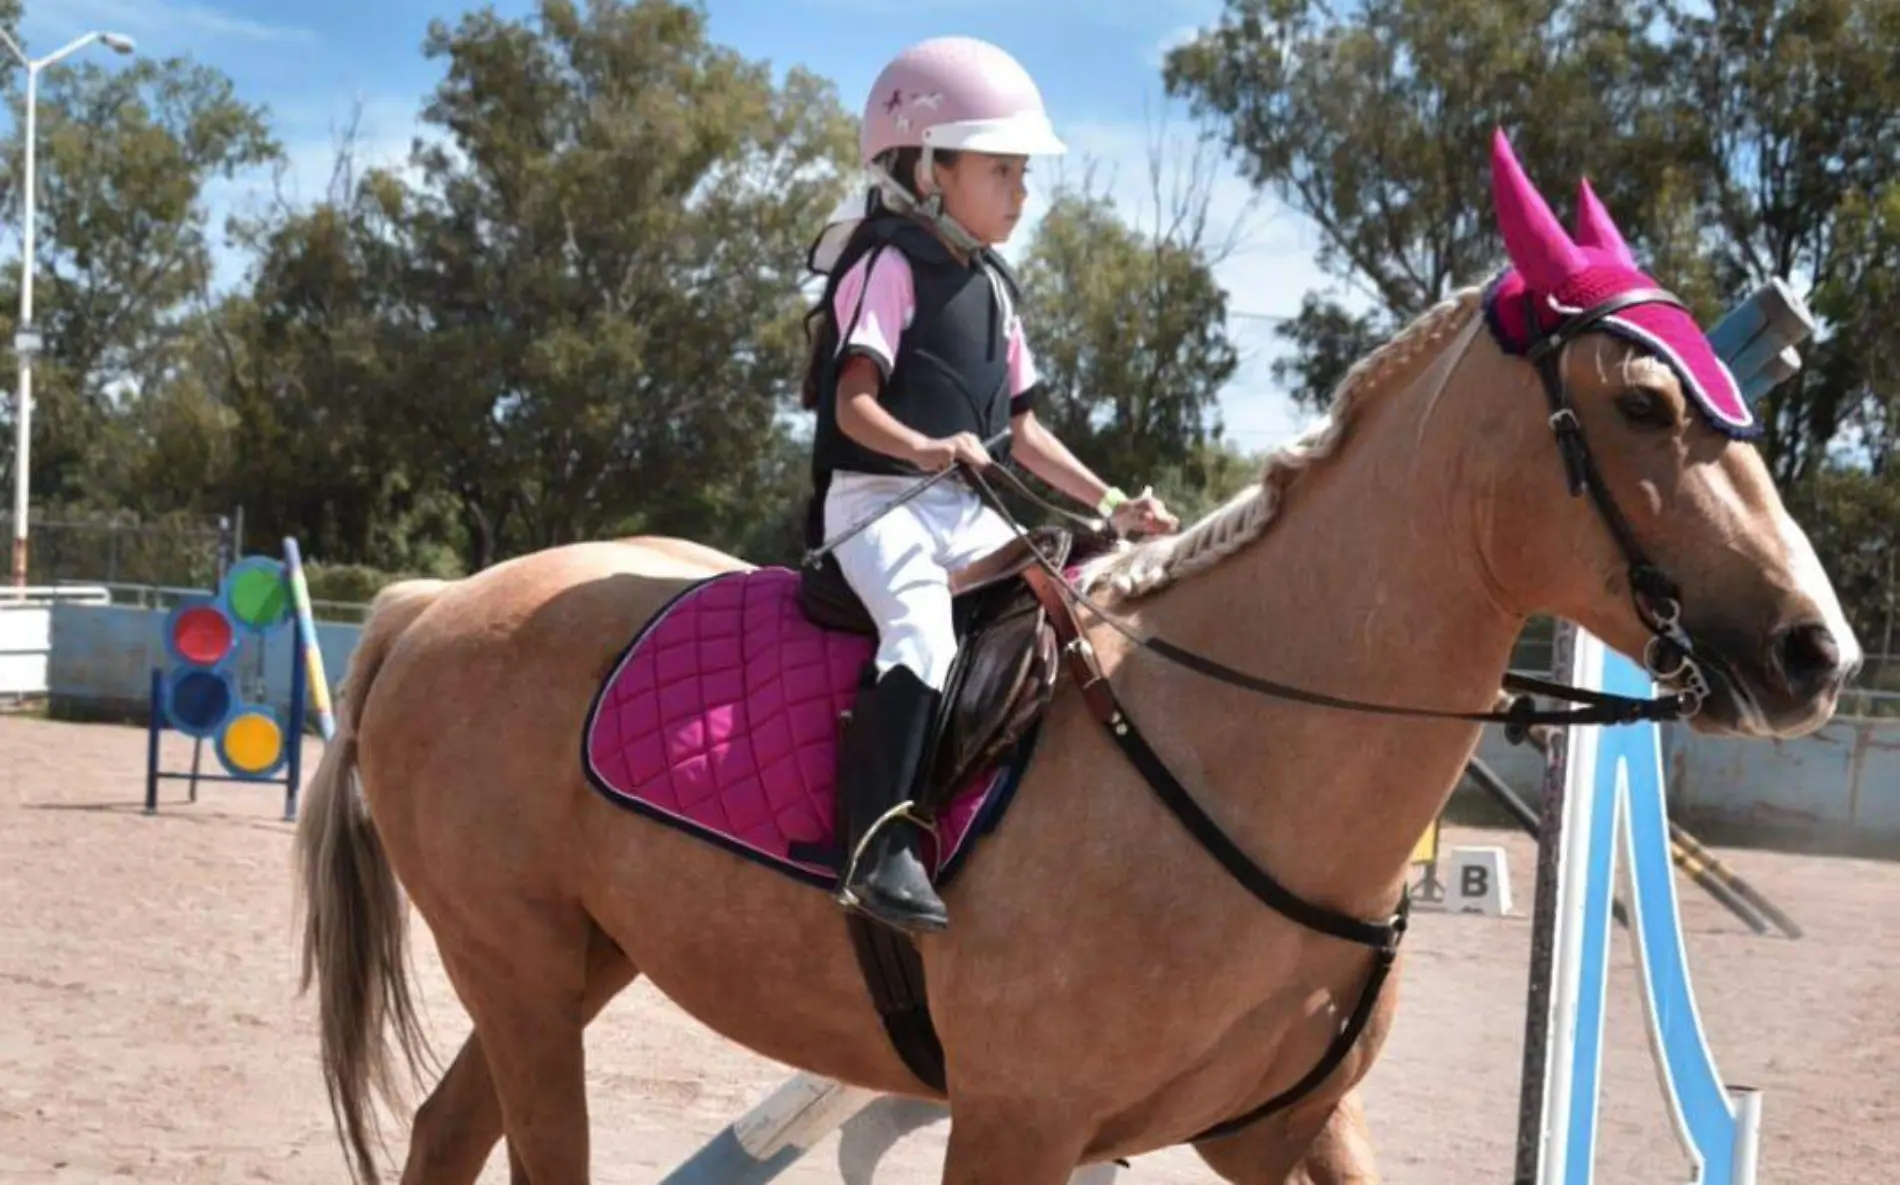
{"x": 930, "y": 209}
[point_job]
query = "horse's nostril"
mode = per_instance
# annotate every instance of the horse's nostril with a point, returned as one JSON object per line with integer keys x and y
{"x": 1809, "y": 658}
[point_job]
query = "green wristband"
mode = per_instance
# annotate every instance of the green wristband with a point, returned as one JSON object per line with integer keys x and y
{"x": 1113, "y": 498}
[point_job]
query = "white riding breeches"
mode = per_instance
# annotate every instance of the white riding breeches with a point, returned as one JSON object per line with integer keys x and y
{"x": 900, "y": 565}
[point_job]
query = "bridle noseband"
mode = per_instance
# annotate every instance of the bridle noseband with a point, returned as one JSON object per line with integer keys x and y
{"x": 1671, "y": 655}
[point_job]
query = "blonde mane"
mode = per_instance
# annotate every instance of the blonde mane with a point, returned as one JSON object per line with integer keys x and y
{"x": 1142, "y": 568}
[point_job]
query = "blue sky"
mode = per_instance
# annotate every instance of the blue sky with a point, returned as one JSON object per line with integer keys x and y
{"x": 1098, "y": 63}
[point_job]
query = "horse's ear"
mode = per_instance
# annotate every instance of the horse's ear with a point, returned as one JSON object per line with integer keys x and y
{"x": 1536, "y": 241}
{"x": 1596, "y": 229}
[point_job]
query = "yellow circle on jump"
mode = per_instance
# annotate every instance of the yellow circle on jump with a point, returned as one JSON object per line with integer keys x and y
{"x": 252, "y": 741}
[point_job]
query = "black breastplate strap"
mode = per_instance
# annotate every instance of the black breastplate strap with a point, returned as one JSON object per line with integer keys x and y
{"x": 1381, "y": 935}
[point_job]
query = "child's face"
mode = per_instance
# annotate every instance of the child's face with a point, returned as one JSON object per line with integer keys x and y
{"x": 985, "y": 193}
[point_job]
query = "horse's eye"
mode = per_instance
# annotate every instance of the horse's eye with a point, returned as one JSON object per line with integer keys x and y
{"x": 1640, "y": 405}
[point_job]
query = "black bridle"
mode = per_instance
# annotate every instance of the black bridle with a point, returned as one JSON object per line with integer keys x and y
{"x": 1671, "y": 655}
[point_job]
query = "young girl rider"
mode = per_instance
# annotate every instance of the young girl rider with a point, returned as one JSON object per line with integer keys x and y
{"x": 921, "y": 357}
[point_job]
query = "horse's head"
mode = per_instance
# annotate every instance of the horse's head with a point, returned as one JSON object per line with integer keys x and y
{"x": 1622, "y": 490}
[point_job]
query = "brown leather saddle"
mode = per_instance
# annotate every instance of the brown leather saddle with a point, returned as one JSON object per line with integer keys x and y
{"x": 1007, "y": 657}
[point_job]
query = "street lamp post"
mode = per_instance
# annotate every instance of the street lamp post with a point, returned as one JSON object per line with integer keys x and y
{"x": 26, "y": 339}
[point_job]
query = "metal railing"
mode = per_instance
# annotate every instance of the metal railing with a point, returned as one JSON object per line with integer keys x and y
{"x": 12, "y": 597}
{"x": 164, "y": 596}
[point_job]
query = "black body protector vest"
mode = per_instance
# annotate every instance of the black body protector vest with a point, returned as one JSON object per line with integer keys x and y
{"x": 951, "y": 372}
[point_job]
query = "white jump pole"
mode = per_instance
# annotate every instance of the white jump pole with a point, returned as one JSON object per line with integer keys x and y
{"x": 763, "y": 1143}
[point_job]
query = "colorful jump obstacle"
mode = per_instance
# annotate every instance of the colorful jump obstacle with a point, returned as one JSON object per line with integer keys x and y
{"x": 764, "y": 1143}
{"x": 1606, "y": 785}
{"x": 198, "y": 692}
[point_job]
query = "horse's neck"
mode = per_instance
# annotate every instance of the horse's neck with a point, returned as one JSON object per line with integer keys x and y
{"x": 1368, "y": 590}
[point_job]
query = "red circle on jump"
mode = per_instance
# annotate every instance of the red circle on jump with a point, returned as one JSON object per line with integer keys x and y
{"x": 203, "y": 635}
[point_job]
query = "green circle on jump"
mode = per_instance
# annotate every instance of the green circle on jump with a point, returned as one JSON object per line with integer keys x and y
{"x": 258, "y": 597}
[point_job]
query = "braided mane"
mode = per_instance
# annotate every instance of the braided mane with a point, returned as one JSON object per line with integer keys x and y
{"x": 1156, "y": 563}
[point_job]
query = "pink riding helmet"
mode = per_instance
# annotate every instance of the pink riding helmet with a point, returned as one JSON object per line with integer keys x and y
{"x": 956, "y": 93}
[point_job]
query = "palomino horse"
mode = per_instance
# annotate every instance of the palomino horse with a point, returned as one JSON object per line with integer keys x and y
{"x": 1105, "y": 987}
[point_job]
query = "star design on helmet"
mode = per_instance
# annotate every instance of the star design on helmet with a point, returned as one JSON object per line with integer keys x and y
{"x": 895, "y": 101}
{"x": 902, "y": 122}
{"x": 932, "y": 101}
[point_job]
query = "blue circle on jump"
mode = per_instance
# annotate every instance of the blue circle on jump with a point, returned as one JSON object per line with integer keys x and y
{"x": 255, "y": 594}
{"x": 199, "y": 701}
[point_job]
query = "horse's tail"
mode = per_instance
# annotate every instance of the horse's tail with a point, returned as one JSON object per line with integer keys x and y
{"x": 354, "y": 939}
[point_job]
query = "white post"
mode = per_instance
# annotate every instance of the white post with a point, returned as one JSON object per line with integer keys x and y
{"x": 762, "y": 1144}
{"x": 26, "y": 340}
{"x": 24, "y": 344}
{"x": 802, "y": 1111}
{"x": 1747, "y": 1103}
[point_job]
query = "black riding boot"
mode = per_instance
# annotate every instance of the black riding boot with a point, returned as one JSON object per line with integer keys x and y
{"x": 884, "y": 872}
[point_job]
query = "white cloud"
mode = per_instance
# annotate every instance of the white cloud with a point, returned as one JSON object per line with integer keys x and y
{"x": 1271, "y": 268}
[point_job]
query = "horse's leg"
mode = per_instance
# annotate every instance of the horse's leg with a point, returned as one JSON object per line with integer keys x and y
{"x": 1009, "y": 1141}
{"x": 1330, "y": 1147}
{"x": 522, "y": 978}
{"x": 457, "y": 1126}
{"x": 1342, "y": 1154}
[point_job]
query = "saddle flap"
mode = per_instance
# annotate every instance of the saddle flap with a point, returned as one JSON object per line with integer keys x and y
{"x": 1005, "y": 676}
{"x": 827, "y": 600}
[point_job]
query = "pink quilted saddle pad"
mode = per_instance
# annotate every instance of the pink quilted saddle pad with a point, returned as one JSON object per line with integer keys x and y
{"x": 721, "y": 718}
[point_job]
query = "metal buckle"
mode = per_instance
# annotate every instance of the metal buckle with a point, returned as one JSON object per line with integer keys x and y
{"x": 1668, "y": 614}
{"x": 1650, "y": 660}
{"x": 1691, "y": 701}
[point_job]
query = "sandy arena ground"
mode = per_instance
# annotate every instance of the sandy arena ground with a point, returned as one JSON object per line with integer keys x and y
{"x": 152, "y": 1032}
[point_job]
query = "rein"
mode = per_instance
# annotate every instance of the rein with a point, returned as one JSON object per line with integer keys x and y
{"x": 1518, "y": 719}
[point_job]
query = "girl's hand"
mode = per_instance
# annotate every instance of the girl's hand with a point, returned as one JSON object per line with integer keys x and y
{"x": 939, "y": 454}
{"x": 1144, "y": 515}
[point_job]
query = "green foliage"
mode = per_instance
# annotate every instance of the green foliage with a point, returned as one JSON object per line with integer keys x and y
{"x": 1129, "y": 334}
{"x": 1209, "y": 475}
{"x": 1853, "y": 515}
{"x": 608, "y": 246}
{"x": 576, "y": 317}
{"x": 1733, "y": 143}
{"x": 352, "y": 584}
{"x": 124, "y": 157}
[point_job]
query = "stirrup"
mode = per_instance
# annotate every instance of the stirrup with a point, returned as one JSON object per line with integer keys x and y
{"x": 904, "y": 810}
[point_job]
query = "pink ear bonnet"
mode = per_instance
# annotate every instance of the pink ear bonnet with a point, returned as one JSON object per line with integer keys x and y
{"x": 1563, "y": 276}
